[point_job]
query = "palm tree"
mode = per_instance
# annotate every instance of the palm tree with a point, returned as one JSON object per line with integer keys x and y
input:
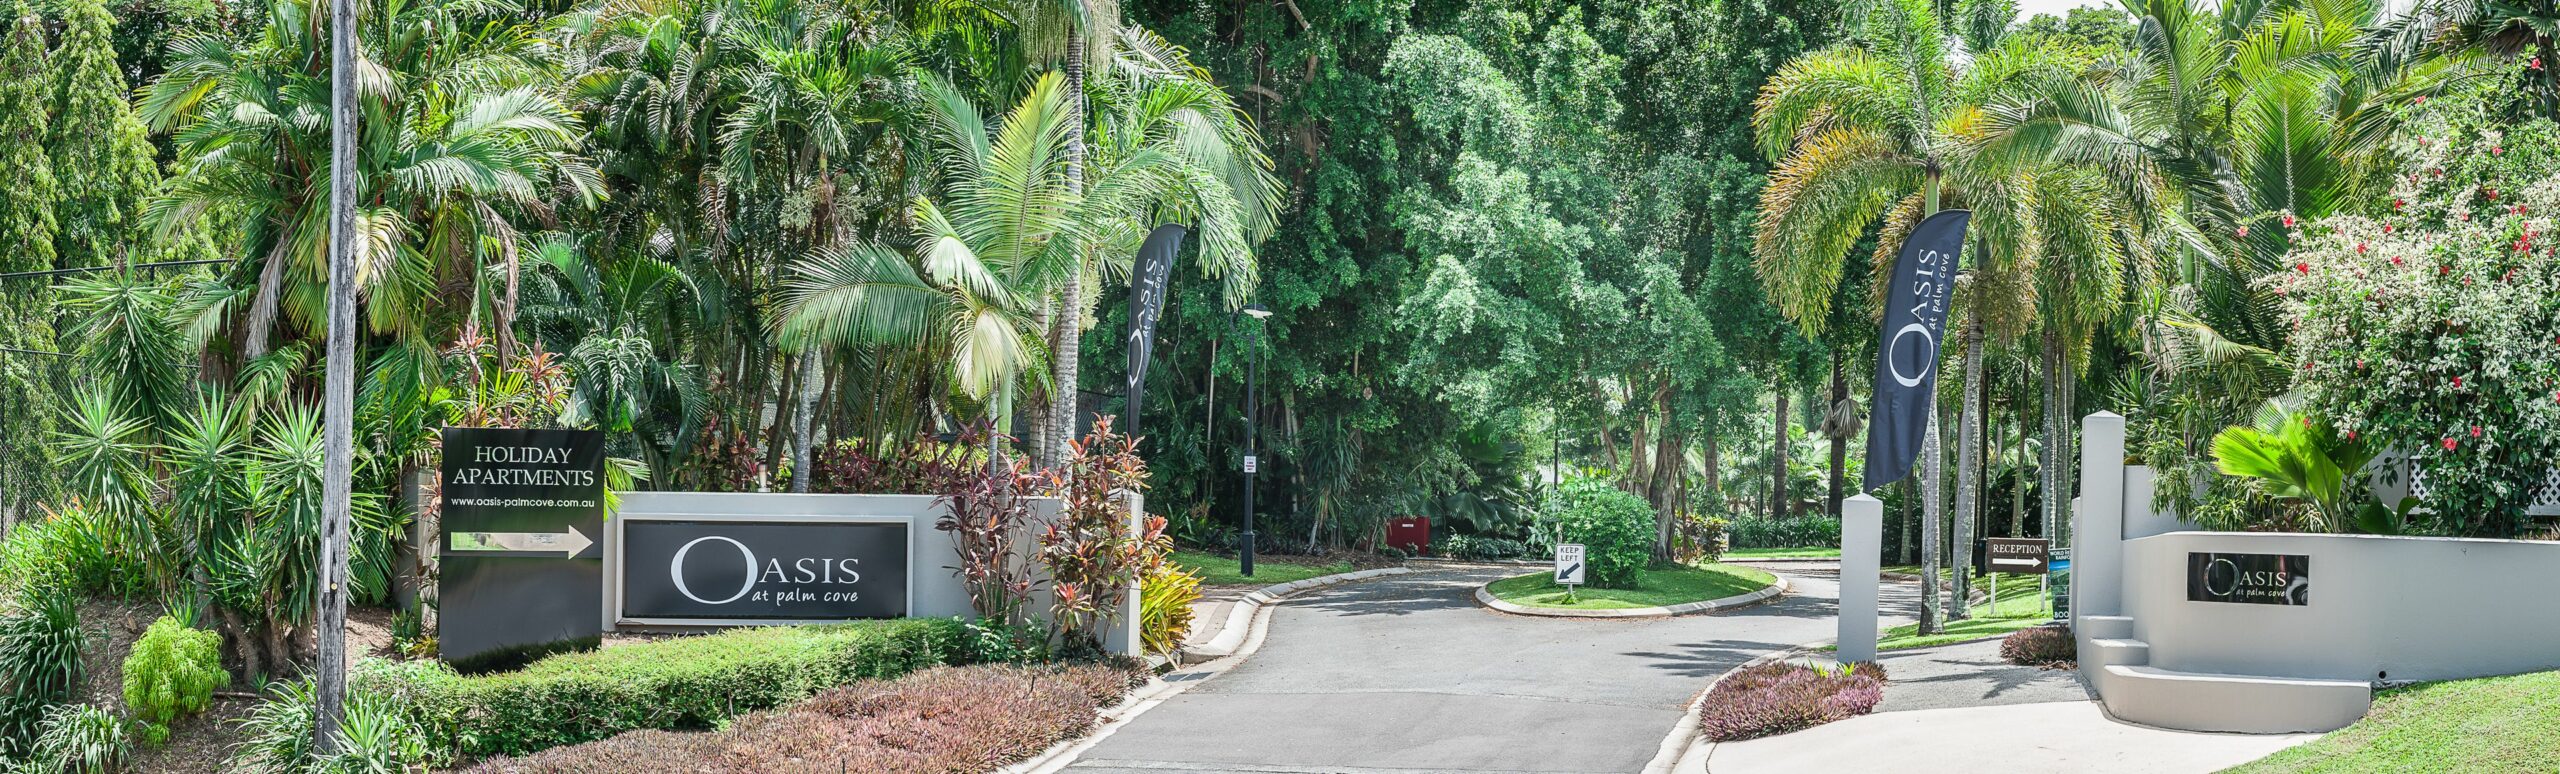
{"x": 1888, "y": 132}
{"x": 463, "y": 136}
{"x": 610, "y": 320}
{"x": 986, "y": 255}
{"x": 2227, "y": 122}
{"x": 1157, "y": 107}
{"x": 2503, "y": 28}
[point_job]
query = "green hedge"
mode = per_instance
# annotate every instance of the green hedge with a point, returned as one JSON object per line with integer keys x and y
{"x": 681, "y": 683}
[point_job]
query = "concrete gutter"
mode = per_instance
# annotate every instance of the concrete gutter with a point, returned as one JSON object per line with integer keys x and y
{"x": 1776, "y": 589}
{"x": 1231, "y": 633}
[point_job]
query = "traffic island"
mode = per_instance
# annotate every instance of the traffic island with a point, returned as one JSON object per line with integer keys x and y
{"x": 1658, "y": 591}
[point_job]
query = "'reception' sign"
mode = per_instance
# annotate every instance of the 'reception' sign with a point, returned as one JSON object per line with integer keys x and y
{"x": 763, "y": 570}
{"x": 2250, "y": 579}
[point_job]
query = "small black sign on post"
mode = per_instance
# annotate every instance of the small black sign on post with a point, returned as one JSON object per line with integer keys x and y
{"x": 2249, "y": 579}
{"x": 2018, "y": 556}
{"x": 722, "y": 572}
{"x": 521, "y": 569}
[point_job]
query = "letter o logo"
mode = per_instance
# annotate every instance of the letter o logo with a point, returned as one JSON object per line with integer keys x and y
{"x": 2227, "y": 571}
{"x": 675, "y": 570}
{"x": 1895, "y": 363}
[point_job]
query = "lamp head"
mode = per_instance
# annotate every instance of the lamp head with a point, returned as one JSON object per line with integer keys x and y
{"x": 1257, "y": 311}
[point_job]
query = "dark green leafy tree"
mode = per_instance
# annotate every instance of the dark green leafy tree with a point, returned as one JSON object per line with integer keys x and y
{"x": 27, "y": 229}
{"x": 101, "y": 155}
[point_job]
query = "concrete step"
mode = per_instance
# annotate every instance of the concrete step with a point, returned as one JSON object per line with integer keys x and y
{"x": 2194, "y": 701}
{"x": 2106, "y": 627}
{"x": 2105, "y": 653}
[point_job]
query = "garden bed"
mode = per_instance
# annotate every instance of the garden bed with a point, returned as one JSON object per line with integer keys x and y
{"x": 974, "y": 718}
{"x": 1782, "y": 696}
{"x": 1654, "y": 587}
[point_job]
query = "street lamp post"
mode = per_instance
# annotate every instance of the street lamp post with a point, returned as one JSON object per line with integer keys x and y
{"x": 1252, "y": 424}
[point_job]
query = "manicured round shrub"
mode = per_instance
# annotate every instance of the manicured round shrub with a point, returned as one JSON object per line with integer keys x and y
{"x": 1615, "y": 529}
{"x": 2039, "y": 646}
{"x": 170, "y": 674}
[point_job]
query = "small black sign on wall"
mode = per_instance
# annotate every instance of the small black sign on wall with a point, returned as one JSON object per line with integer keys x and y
{"x": 708, "y": 571}
{"x": 2249, "y": 579}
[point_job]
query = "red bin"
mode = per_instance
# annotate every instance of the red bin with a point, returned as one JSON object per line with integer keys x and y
{"x": 1412, "y": 534}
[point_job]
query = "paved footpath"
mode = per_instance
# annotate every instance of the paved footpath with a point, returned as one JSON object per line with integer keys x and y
{"x": 1407, "y": 674}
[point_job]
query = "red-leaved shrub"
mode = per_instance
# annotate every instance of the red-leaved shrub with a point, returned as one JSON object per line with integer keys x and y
{"x": 975, "y": 718}
{"x": 1778, "y": 697}
{"x": 2040, "y": 646}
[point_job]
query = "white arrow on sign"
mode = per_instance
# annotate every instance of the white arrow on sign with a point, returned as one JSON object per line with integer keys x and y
{"x": 565, "y": 544}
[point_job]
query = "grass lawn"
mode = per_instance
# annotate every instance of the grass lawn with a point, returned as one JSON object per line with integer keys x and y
{"x": 2489, "y": 724}
{"x": 1655, "y": 587}
{"x": 1215, "y": 570}
{"x": 2019, "y": 607}
{"x": 1783, "y": 553}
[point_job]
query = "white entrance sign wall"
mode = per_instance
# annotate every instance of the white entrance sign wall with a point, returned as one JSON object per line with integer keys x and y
{"x": 1861, "y": 548}
{"x": 2380, "y": 608}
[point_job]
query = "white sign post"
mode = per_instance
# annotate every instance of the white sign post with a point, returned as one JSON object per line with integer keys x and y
{"x": 1568, "y": 567}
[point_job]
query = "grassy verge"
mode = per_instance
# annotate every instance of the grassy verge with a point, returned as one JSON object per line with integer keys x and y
{"x": 1782, "y": 553}
{"x": 1655, "y": 587}
{"x": 2018, "y": 607}
{"x": 1215, "y": 570}
{"x": 2489, "y": 724}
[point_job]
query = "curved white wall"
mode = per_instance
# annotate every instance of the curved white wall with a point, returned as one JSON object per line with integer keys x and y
{"x": 2417, "y": 608}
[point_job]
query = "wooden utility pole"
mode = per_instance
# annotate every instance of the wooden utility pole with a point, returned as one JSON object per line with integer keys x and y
{"x": 339, "y": 388}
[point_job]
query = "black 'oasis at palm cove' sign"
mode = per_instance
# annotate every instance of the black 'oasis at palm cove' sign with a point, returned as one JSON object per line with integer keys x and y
{"x": 2251, "y": 579}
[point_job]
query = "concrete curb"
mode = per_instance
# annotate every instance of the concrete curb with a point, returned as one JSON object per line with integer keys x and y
{"x": 1776, "y": 589}
{"x": 1777, "y": 559}
{"x": 1159, "y": 689}
{"x": 1231, "y": 634}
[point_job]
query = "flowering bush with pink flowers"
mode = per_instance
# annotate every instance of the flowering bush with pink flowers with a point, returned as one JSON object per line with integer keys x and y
{"x": 2432, "y": 324}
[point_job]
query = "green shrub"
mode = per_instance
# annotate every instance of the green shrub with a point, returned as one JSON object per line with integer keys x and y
{"x": 1790, "y": 532}
{"x": 81, "y": 739}
{"x": 377, "y": 734}
{"x": 171, "y": 673}
{"x": 1477, "y": 547}
{"x": 75, "y": 548}
{"x": 40, "y": 643}
{"x": 1615, "y": 529}
{"x": 682, "y": 683}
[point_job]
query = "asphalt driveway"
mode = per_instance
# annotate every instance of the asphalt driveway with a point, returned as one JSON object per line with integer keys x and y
{"x": 1407, "y": 674}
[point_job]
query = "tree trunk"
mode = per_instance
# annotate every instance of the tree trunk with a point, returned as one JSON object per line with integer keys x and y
{"x": 2018, "y": 461}
{"x": 1778, "y": 452}
{"x": 1839, "y": 443}
{"x": 2048, "y": 473}
{"x": 1968, "y": 466}
{"x": 812, "y": 379}
{"x": 773, "y": 435}
{"x": 1066, "y": 335}
{"x": 2067, "y": 472}
{"x": 1711, "y": 482}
